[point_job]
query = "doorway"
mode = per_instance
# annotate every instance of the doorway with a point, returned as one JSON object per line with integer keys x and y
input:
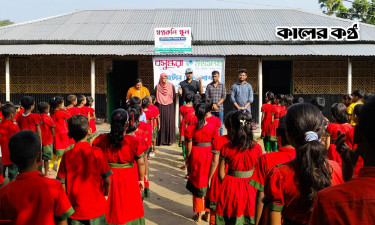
{"x": 277, "y": 77}
{"x": 119, "y": 80}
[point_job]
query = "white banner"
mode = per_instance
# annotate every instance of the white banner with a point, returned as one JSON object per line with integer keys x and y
{"x": 172, "y": 39}
{"x": 175, "y": 68}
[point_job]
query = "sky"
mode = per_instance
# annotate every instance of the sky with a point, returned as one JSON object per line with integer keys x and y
{"x": 26, "y": 10}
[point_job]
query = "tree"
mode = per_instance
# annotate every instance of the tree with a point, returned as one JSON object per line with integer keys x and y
{"x": 5, "y": 23}
{"x": 330, "y": 6}
{"x": 361, "y": 10}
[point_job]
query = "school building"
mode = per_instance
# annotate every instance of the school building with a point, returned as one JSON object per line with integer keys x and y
{"x": 102, "y": 52}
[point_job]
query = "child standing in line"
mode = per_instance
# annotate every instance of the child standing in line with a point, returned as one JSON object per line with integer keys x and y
{"x": 156, "y": 121}
{"x": 28, "y": 120}
{"x": 61, "y": 141}
{"x": 276, "y": 111}
{"x": 48, "y": 132}
{"x": 84, "y": 174}
{"x": 357, "y": 98}
{"x": 184, "y": 110}
{"x": 199, "y": 139}
{"x": 266, "y": 120}
{"x": 265, "y": 162}
{"x": 92, "y": 118}
{"x": 124, "y": 204}
{"x": 290, "y": 188}
{"x": 32, "y": 198}
{"x": 7, "y": 130}
{"x": 210, "y": 118}
{"x": 72, "y": 102}
{"x": 19, "y": 111}
{"x": 81, "y": 105}
{"x": 352, "y": 202}
{"x": 237, "y": 198}
{"x": 214, "y": 184}
{"x": 340, "y": 117}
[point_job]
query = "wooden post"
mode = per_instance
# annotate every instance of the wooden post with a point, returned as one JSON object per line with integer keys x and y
{"x": 93, "y": 79}
{"x": 350, "y": 77}
{"x": 260, "y": 91}
{"x": 7, "y": 79}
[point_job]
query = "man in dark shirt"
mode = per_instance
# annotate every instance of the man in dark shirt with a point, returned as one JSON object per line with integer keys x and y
{"x": 189, "y": 85}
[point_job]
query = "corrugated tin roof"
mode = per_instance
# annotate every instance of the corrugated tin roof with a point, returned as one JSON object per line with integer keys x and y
{"x": 224, "y": 50}
{"x": 118, "y": 26}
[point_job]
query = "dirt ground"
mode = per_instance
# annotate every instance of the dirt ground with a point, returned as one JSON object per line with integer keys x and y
{"x": 170, "y": 203}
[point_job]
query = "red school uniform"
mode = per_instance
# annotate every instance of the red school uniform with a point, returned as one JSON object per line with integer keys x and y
{"x": 61, "y": 139}
{"x": 200, "y": 157}
{"x": 47, "y": 124}
{"x": 264, "y": 164}
{"x": 29, "y": 121}
{"x": 92, "y": 124}
{"x": 124, "y": 202}
{"x": 18, "y": 114}
{"x": 333, "y": 128}
{"x": 348, "y": 203}
{"x": 147, "y": 130}
{"x": 215, "y": 121}
{"x": 84, "y": 110}
{"x": 7, "y": 130}
{"x": 1, "y": 117}
{"x": 236, "y": 200}
{"x": 214, "y": 191}
{"x": 73, "y": 111}
{"x": 276, "y": 112}
{"x": 266, "y": 123}
{"x": 149, "y": 117}
{"x": 190, "y": 119}
{"x": 282, "y": 194}
{"x": 34, "y": 199}
{"x": 82, "y": 170}
{"x": 184, "y": 110}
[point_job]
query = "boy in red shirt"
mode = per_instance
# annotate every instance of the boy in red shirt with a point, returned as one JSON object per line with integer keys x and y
{"x": 48, "y": 131}
{"x": 7, "y": 130}
{"x": 84, "y": 173}
{"x": 32, "y": 198}
{"x": 72, "y": 101}
{"x": 81, "y": 105}
{"x": 265, "y": 162}
{"x": 28, "y": 120}
{"x": 352, "y": 202}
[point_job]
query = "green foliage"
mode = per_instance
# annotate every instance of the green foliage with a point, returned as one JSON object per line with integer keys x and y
{"x": 361, "y": 10}
{"x": 5, "y": 23}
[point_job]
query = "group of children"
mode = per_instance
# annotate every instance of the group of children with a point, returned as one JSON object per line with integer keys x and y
{"x": 50, "y": 123}
{"x": 233, "y": 182}
{"x": 104, "y": 178}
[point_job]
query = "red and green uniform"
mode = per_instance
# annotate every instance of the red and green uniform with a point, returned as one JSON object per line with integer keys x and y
{"x": 276, "y": 111}
{"x": 33, "y": 199}
{"x": 184, "y": 111}
{"x": 124, "y": 204}
{"x": 200, "y": 157}
{"x": 7, "y": 130}
{"x": 61, "y": 141}
{"x": 92, "y": 124}
{"x": 264, "y": 164}
{"x": 282, "y": 194}
{"x": 146, "y": 142}
{"x": 73, "y": 111}
{"x": 28, "y": 122}
{"x": 236, "y": 202}
{"x": 214, "y": 191}
{"x": 266, "y": 125}
{"x": 147, "y": 132}
{"x": 215, "y": 121}
{"x": 349, "y": 140}
{"x": 348, "y": 203}
{"x": 82, "y": 170}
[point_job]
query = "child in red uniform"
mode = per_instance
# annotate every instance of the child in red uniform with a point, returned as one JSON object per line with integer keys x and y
{"x": 92, "y": 118}
{"x": 276, "y": 111}
{"x": 19, "y": 111}
{"x": 149, "y": 116}
{"x": 48, "y": 131}
{"x": 184, "y": 110}
{"x": 84, "y": 174}
{"x": 266, "y": 120}
{"x": 290, "y": 188}
{"x": 285, "y": 154}
{"x": 81, "y": 105}
{"x": 210, "y": 118}
{"x": 28, "y": 120}
{"x": 32, "y": 199}
{"x": 61, "y": 141}
{"x": 72, "y": 102}
{"x": 236, "y": 201}
{"x": 352, "y": 202}
{"x": 199, "y": 143}
{"x": 157, "y": 122}
{"x": 340, "y": 116}
{"x": 124, "y": 205}
{"x": 214, "y": 184}
{"x": 7, "y": 130}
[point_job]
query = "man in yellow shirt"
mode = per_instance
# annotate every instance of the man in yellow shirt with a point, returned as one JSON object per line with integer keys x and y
{"x": 357, "y": 99}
